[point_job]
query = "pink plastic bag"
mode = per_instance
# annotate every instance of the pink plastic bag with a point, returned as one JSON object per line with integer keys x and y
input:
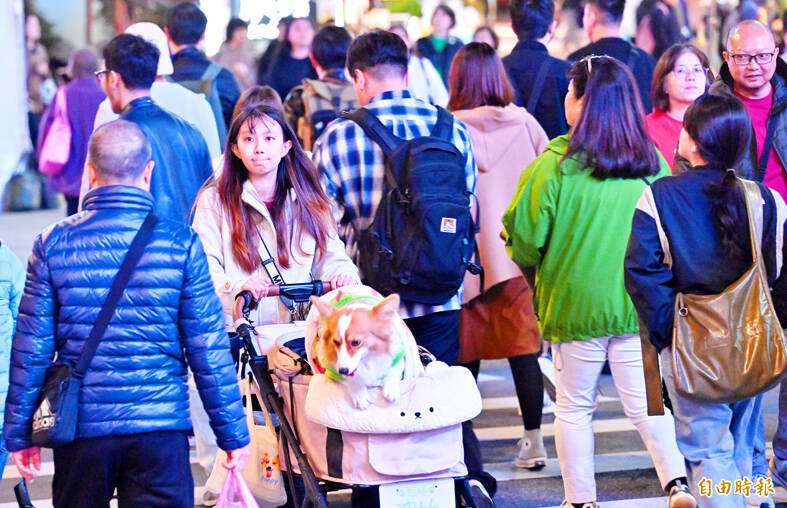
{"x": 235, "y": 493}
{"x": 56, "y": 146}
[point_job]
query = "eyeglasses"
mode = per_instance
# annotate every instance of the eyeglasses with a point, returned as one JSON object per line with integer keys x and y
{"x": 98, "y": 74}
{"x": 683, "y": 72}
{"x": 760, "y": 58}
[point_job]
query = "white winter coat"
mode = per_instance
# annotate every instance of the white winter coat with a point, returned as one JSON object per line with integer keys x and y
{"x": 213, "y": 227}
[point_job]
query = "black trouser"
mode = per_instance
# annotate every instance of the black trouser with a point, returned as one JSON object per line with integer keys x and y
{"x": 439, "y": 333}
{"x": 529, "y": 386}
{"x": 150, "y": 470}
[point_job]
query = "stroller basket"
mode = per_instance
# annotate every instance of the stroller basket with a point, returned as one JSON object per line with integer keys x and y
{"x": 361, "y": 458}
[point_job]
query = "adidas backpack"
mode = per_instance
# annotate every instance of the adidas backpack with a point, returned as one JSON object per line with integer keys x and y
{"x": 422, "y": 237}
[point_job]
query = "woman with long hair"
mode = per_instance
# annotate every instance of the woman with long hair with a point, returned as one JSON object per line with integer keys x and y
{"x": 681, "y": 75}
{"x": 505, "y": 139}
{"x": 290, "y": 64}
{"x": 567, "y": 228}
{"x": 690, "y": 234}
{"x": 268, "y": 203}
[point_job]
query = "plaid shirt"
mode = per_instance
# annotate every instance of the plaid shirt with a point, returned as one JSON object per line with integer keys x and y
{"x": 352, "y": 167}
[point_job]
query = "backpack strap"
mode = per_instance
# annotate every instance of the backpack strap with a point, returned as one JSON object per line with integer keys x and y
{"x": 375, "y": 129}
{"x": 444, "y": 127}
{"x": 535, "y": 93}
{"x": 206, "y": 80}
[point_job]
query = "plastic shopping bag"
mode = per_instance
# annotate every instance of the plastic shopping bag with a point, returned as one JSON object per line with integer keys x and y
{"x": 262, "y": 473}
{"x": 235, "y": 493}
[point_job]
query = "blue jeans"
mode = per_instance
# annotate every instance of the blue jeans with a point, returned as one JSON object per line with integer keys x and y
{"x": 716, "y": 440}
{"x": 780, "y": 439}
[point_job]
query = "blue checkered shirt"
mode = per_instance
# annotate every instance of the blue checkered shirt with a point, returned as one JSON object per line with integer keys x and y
{"x": 352, "y": 167}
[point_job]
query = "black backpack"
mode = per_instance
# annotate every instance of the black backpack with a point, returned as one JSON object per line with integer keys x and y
{"x": 422, "y": 238}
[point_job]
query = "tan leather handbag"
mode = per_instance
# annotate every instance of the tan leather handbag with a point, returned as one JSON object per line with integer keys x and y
{"x": 730, "y": 346}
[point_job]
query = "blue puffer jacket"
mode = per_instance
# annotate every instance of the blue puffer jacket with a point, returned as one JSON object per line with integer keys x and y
{"x": 12, "y": 283}
{"x": 168, "y": 316}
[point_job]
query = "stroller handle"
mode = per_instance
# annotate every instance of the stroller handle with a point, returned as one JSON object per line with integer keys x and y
{"x": 299, "y": 292}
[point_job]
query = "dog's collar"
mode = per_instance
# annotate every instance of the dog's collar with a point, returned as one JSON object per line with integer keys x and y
{"x": 329, "y": 372}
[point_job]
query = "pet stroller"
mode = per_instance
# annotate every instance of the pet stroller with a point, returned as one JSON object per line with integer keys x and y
{"x": 411, "y": 459}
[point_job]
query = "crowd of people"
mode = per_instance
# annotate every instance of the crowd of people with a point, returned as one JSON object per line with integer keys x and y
{"x": 605, "y": 187}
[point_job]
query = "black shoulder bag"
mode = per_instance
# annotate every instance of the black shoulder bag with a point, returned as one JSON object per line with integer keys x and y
{"x": 55, "y": 420}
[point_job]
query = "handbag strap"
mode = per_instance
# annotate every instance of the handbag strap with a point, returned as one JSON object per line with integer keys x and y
{"x": 115, "y": 292}
{"x": 274, "y": 274}
{"x": 753, "y": 198}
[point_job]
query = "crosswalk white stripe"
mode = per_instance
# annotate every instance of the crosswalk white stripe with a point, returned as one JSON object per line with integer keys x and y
{"x": 548, "y": 429}
{"x": 650, "y": 502}
{"x": 47, "y": 469}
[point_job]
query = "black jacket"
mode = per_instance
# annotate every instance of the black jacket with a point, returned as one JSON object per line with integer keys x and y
{"x": 639, "y": 62}
{"x": 442, "y": 60}
{"x": 190, "y": 64}
{"x": 523, "y": 66}
{"x": 181, "y": 157}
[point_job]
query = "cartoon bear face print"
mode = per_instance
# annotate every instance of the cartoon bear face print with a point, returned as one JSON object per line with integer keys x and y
{"x": 417, "y": 415}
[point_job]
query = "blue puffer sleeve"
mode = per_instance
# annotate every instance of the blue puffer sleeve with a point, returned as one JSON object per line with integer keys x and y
{"x": 32, "y": 350}
{"x": 201, "y": 323}
{"x": 647, "y": 276}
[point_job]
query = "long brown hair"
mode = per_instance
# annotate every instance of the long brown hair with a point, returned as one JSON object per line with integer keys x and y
{"x": 311, "y": 210}
{"x": 477, "y": 78}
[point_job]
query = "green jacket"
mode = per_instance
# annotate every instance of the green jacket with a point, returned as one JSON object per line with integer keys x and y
{"x": 574, "y": 229}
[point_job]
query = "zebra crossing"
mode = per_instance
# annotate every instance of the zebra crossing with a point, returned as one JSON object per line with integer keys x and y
{"x": 624, "y": 470}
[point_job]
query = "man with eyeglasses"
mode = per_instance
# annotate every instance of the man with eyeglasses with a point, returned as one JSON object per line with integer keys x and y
{"x": 179, "y": 150}
{"x": 754, "y": 73}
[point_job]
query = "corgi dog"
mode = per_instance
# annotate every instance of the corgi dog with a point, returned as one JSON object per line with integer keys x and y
{"x": 361, "y": 347}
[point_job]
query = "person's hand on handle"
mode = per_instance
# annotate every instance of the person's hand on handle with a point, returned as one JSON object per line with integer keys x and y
{"x": 343, "y": 280}
{"x": 28, "y": 462}
{"x": 237, "y": 458}
{"x": 257, "y": 286}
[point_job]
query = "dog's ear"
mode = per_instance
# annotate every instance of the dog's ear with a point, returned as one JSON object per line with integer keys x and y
{"x": 325, "y": 309}
{"x": 386, "y": 310}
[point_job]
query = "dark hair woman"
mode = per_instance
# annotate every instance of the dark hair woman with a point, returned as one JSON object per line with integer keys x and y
{"x": 690, "y": 234}
{"x": 567, "y": 227}
{"x": 268, "y": 195}
{"x": 681, "y": 75}
{"x": 505, "y": 138}
{"x": 440, "y": 47}
{"x": 486, "y": 33}
{"x": 237, "y": 54}
{"x": 290, "y": 64}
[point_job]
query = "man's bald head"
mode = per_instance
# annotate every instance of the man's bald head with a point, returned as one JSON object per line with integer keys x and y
{"x": 745, "y": 31}
{"x": 751, "y": 58}
{"x": 119, "y": 152}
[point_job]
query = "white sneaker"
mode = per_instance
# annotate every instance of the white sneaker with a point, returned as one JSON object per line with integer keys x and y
{"x": 680, "y": 497}
{"x": 532, "y": 454}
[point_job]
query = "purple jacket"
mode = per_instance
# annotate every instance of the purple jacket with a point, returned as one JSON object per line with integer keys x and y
{"x": 82, "y": 99}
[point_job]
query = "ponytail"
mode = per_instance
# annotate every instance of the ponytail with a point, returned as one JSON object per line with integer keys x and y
{"x": 728, "y": 209}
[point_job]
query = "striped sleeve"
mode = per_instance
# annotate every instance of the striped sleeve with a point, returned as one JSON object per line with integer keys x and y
{"x": 648, "y": 274}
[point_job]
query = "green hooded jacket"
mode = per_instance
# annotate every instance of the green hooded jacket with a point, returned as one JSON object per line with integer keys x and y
{"x": 574, "y": 229}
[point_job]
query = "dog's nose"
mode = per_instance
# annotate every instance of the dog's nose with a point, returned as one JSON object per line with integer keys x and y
{"x": 344, "y": 371}
{"x": 417, "y": 414}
